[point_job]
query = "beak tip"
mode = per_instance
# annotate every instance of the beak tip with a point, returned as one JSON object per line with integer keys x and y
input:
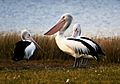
{"x": 44, "y": 33}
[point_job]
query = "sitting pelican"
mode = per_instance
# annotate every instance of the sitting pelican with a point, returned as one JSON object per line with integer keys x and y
{"x": 75, "y": 47}
{"x": 24, "y": 48}
{"x": 76, "y": 34}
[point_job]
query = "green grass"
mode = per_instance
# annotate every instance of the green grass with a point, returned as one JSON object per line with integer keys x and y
{"x": 97, "y": 75}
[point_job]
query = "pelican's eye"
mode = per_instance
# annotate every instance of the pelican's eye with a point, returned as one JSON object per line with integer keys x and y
{"x": 28, "y": 34}
{"x": 75, "y": 29}
{"x": 63, "y": 17}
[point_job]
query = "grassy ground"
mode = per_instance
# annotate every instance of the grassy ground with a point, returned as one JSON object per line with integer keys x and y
{"x": 52, "y": 66}
{"x": 97, "y": 75}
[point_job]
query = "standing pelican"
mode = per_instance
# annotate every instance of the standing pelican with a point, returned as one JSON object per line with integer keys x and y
{"x": 76, "y": 34}
{"x": 75, "y": 47}
{"x": 25, "y": 48}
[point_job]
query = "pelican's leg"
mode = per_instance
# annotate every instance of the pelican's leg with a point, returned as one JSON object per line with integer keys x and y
{"x": 74, "y": 65}
{"x": 79, "y": 62}
{"x": 85, "y": 62}
{"x": 82, "y": 62}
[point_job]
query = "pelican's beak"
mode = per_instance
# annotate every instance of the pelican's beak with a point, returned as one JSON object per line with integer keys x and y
{"x": 34, "y": 41}
{"x": 56, "y": 27}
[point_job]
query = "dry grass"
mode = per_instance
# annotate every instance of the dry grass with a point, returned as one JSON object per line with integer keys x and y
{"x": 111, "y": 48}
{"x": 49, "y": 48}
{"x": 50, "y": 51}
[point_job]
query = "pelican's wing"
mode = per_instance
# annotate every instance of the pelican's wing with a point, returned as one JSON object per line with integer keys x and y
{"x": 93, "y": 44}
{"x": 78, "y": 46}
{"x": 89, "y": 41}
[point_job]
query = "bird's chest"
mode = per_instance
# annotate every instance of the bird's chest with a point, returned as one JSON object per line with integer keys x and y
{"x": 62, "y": 46}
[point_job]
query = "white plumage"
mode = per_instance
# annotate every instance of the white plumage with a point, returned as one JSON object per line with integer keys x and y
{"x": 29, "y": 50}
{"x": 24, "y": 48}
{"x": 70, "y": 46}
{"x": 73, "y": 46}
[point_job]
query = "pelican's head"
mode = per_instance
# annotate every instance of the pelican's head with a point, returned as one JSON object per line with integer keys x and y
{"x": 62, "y": 24}
{"x": 76, "y": 30}
{"x": 25, "y": 35}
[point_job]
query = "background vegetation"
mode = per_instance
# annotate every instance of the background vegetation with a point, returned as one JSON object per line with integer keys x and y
{"x": 50, "y": 65}
{"x": 50, "y": 51}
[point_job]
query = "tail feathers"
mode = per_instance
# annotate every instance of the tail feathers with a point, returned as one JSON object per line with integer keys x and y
{"x": 97, "y": 58}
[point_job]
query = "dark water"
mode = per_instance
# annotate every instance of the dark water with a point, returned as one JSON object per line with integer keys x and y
{"x": 97, "y": 17}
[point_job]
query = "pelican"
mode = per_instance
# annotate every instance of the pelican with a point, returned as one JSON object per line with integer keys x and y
{"x": 25, "y": 47}
{"x": 74, "y": 47}
{"x": 76, "y": 34}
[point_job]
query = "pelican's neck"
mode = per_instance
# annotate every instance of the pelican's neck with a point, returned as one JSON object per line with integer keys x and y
{"x": 59, "y": 37}
{"x": 79, "y": 33}
{"x": 61, "y": 33}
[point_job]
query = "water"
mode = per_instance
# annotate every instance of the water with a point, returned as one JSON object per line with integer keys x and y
{"x": 97, "y": 17}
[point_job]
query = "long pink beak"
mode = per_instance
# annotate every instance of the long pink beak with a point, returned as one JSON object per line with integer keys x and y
{"x": 34, "y": 42}
{"x": 56, "y": 27}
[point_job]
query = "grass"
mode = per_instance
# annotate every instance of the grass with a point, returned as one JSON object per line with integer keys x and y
{"x": 111, "y": 48}
{"x": 51, "y": 66}
{"x": 98, "y": 75}
{"x": 50, "y": 51}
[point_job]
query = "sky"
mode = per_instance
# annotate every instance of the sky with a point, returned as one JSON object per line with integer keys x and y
{"x": 96, "y": 17}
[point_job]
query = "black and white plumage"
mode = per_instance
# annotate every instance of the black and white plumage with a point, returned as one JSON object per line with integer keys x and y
{"x": 75, "y": 47}
{"x": 24, "y": 48}
{"x": 76, "y": 34}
